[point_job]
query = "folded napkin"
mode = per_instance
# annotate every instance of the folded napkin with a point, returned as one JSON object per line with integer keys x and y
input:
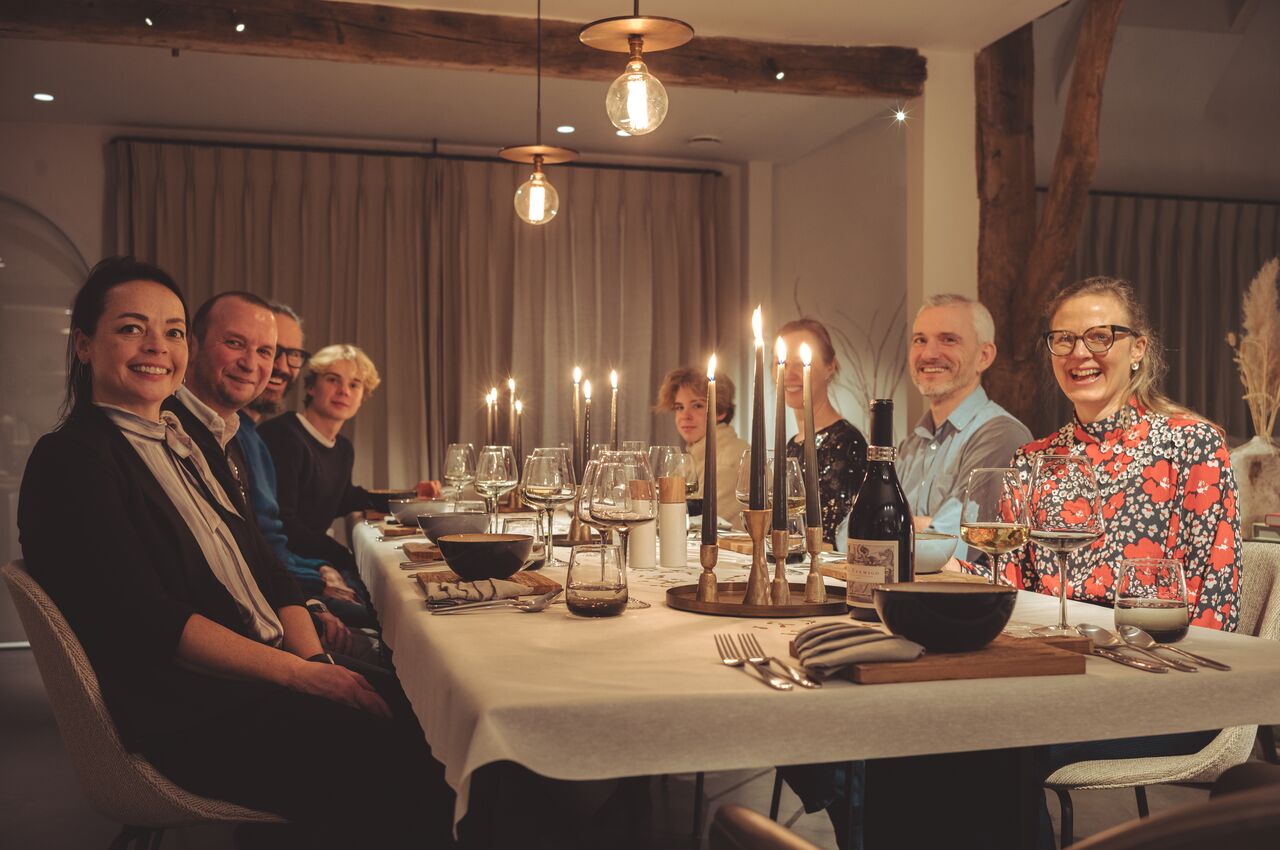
{"x": 827, "y": 648}
{"x": 441, "y": 592}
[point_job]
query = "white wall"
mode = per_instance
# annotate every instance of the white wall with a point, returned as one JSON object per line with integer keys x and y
{"x": 840, "y": 250}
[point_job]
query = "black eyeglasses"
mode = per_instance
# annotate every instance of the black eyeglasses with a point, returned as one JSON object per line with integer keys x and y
{"x": 1097, "y": 339}
{"x": 295, "y": 357}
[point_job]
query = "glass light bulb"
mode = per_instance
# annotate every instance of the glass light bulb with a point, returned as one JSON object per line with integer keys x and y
{"x": 637, "y": 101}
{"x": 537, "y": 201}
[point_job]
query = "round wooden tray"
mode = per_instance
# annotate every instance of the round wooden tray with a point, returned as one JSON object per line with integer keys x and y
{"x": 729, "y": 604}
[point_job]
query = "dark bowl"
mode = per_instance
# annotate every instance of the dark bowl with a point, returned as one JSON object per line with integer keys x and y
{"x": 436, "y": 526}
{"x": 945, "y": 616}
{"x": 480, "y": 556}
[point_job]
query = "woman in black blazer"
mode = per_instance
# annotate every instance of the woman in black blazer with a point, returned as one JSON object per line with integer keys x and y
{"x": 189, "y": 679}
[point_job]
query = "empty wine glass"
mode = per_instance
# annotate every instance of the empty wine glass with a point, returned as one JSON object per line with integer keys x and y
{"x": 549, "y": 485}
{"x": 459, "y": 468}
{"x": 622, "y": 494}
{"x": 1064, "y": 511}
{"x": 634, "y": 446}
{"x": 495, "y": 477}
{"x": 993, "y": 515}
{"x": 794, "y": 482}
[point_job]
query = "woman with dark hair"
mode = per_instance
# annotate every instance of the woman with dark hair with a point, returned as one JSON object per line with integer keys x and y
{"x": 208, "y": 662}
{"x": 841, "y": 448}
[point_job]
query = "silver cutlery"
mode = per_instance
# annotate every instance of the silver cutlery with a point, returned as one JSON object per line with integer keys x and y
{"x": 414, "y": 565}
{"x": 1136, "y": 637}
{"x": 755, "y": 654}
{"x": 1109, "y": 640}
{"x": 730, "y": 657}
{"x": 1101, "y": 649}
{"x": 525, "y": 606}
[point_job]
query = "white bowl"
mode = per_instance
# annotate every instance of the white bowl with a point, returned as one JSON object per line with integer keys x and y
{"x": 407, "y": 511}
{"x": 933, "y": 550}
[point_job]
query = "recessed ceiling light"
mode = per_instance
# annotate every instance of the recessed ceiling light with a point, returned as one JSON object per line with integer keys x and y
{"x": 779, "y": 75}
{"x": 566, "y": 128}
{"x": 623, "y": 133}
{"x": 239, "y": 27}
{"x": 149, "y": 22}
{"x": 42, "y": 97}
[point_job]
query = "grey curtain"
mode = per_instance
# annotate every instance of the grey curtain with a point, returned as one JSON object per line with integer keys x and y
{"x": 1190, "y": 260}
{"x": 422, "y": 262}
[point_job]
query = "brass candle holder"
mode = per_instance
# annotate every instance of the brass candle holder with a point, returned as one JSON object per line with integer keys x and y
{"x": 757, "y": 523}
{"x": 708, "y": 556}
{"x": 815, "y": 589}
{"x": 779, "y": 590}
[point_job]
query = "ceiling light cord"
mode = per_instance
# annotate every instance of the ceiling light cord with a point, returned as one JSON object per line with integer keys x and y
{"x": 538, "y": 130}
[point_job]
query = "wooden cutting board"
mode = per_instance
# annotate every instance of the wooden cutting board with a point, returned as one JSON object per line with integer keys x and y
{"x": 536, "y": 582}
{"x": 741, "y": 543}
{"x": 1004, "y": 657}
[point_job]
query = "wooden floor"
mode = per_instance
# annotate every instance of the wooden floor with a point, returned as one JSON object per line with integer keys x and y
{"x": 41, "y": 805}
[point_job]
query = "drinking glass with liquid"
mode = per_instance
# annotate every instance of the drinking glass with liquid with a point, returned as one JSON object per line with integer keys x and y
{"x": 993, "y": 516}
{"x": 1152, "y": 595}
{"x": 596, "y": 585}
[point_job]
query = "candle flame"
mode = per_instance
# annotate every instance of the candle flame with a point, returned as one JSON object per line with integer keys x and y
{"x": 586, "y": 390}
{"x": 806, "y": 353}
{"x": 711, "y": 368}
{"x": 613, "y": 379}
{"x": 780, "y": 348}
{"x": 577, "y": 374}
{"x": 757, "y": 325}
{"x": 492, "y": 396}
{"x": 511, "y": 384}
{"x": 519, "y": 407}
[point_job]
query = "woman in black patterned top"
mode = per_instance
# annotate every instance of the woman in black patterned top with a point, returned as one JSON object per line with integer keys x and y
{"x": 841, "y": 448}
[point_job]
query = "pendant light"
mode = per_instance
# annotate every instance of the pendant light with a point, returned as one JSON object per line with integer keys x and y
{"x": 537, "y": 201}
{"x": 636, "y": 102}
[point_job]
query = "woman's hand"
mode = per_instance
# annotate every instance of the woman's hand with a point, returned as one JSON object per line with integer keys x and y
{"x": 340, "y": 685}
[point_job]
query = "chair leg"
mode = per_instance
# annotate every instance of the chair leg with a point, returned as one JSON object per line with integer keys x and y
{"x": 157, "y": 836}
{"x": 1141, "y": 794}
{"x": 1067, "y": 831}
{"x": 776, "y": 800}
{"x": 698, "y": 783}
{"x": 138, "y": 837}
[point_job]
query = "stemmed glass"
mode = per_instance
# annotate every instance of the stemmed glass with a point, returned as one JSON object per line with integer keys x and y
{"x": 993, "y": 515}
{"x": 794, "y": 482}
{"x": 622, "y": 494}
{"x": 546, "y": 484}
{"x": 459, "y": 468}
{"x": 495, "y": 477}
{"x": 1064, "y": 514}
{"x": 669, "y": 461}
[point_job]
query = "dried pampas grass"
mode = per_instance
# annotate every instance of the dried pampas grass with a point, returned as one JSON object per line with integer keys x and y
{"x": 1257, "y": 349}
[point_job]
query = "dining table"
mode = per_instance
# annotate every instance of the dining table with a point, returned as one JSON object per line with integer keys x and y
{"x": 645, "y": 693}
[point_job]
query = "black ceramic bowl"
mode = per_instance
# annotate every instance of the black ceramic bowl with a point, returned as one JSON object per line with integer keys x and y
{"x": 945, "y": 616}
{"x": 436, "y": 526}
{"x": 480, "y": 556}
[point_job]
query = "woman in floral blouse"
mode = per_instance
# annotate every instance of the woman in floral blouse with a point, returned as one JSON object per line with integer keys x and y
{"x": 1166, "y": 483}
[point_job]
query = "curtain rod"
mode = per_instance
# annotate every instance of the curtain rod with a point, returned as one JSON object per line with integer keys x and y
{"x": 1156, "y": 196}
{"x": 433, "y": 154}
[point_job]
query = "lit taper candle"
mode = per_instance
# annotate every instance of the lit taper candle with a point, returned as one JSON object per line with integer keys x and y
{"x": 709, "y": 513}
{"x": 756, "y": 495}
{"x": 586, "y": 423}
{"x": 491, "y": 424}
{"x": 613, "y": 410}
{"x": 577, "y": 422}
{"x": 812, "y": 506}
{"x": 780, "y": 441}
{"x": 518, "y": 436}
{"x": 511, "y": 412}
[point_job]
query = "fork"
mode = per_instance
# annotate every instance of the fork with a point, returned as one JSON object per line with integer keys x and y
{"x": 730, "y": 657}
{"x": 755, "y": 655}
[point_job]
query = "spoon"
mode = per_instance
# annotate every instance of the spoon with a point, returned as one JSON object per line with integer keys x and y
{"x": 1136, "y": 637}
{"x": 1104, "y": 643}
{"x": 526, "y": 606}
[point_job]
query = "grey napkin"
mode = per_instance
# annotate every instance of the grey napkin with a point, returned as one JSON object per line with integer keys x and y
{"x": 443, "y": 592}
{"x": 827, "y": 648}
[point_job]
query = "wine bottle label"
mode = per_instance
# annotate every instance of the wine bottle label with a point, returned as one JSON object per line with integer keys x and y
{"x": 871, "y": 562}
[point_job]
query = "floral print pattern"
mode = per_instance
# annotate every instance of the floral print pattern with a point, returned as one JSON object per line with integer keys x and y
{"x": 842, "y": 464}
{"x": 1168, "y": 491}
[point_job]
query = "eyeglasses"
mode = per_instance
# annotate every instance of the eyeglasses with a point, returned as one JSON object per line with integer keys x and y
{"x": 1097, "y": 339}
{"x": 295, "y": 357}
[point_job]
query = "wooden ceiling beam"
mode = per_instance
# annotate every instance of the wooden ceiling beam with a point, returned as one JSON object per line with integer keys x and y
{"x": 356, "y": 32}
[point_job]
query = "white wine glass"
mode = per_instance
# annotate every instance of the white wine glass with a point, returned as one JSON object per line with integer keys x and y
{"x": 459, "y": 468}
{"x": 1064, "y": 512}
{"x": 622, "y": 494}
{"x": 545, "y": 495}
{"x": 993, "y": 515}
{"x": 495, "y": 477}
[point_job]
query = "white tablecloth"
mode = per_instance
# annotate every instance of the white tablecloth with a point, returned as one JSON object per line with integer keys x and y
{"x": 645, "y": 693}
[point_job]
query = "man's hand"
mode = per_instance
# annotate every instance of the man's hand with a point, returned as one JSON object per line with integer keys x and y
{"x": 336, "y": 637}
{"x": 331, "y": 576}
{"x": 340, "y": 685}
{"x": 429, "y": 490}
{"x": 344, "y": 593}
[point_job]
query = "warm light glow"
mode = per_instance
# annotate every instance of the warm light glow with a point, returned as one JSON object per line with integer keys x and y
{"x": 519, "y": 407}
{"x": 637, "y": 104}
{"x": 42, "y": 97}
{"x": 806, "y": 354}
{"x": 613, "y": 379}
{"x": 780, "y": 349}
{"x": 148, "y": 22}
{"x": 779, "y": 75}
{"x": 586, "y": 390}
{"x": 511, "y": 384}
{"x": 493, "y": 395}
{"x": 239, "y": 27}
{"x": 566, "y": 128}
{"x": 537, "y": 201}
{"x": 711, "y": 368}
{"x": 622, "y": 133}
{"x": 577, "y": 374}
{"x": 757, "y": 325}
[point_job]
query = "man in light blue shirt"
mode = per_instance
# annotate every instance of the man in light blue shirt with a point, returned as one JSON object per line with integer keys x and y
{"x": 952, "y": 344}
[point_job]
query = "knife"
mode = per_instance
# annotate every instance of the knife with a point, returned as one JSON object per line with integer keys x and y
{"x": 795, "y": 675}
{"x": 1149, "y": 666}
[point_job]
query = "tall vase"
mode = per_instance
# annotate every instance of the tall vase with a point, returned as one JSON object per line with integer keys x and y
{"x": 1257, "y": 469}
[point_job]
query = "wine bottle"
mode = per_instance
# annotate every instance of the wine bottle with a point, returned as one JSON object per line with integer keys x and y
{"x": 881, "y": 535}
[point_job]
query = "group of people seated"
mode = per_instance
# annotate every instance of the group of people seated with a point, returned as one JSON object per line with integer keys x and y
{"x": 237, "y": 648}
